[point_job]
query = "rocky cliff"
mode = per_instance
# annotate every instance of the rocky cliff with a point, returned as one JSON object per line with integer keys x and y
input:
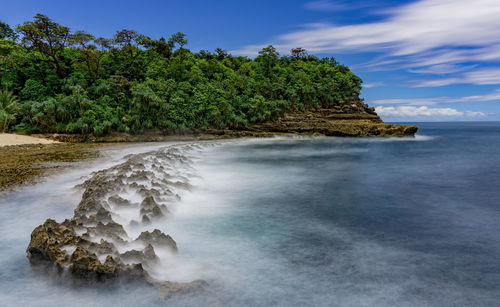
{"x": 354, "y": 119}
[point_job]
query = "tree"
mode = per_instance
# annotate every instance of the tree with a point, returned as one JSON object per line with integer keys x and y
{"x": 178, "y": 38}
{"x": 127, "y": 39}
{"x": 88, "y": 51}
{"x": 269, "y": 57}
{"x": 161, "y": 46}
{"x": 48, "y": 37}
{"x": 9, "y": 105}
{"x": 128, "y": 59}
{"x": 298, "y": 52}
{"x": 138, "y": 83}
{"x": 102, "y": 45}
{"x": 221, "y": 53}
{"x": 270, "y": 51}
{"x": 6, "y": 31}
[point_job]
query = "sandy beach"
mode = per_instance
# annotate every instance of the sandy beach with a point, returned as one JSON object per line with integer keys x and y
{"x": 7, "y": 139}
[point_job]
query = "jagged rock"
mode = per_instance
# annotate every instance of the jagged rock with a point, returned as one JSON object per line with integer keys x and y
{"x": 148, "y": 192}
{"x": 147, "y": 255}
{"x": 103, "y": 215}
{"x": 167, "y": 288}
{"x": 119, "y": 201}
{"x": 141, "y": 176}
{"x": 145, "y": 220}
{"x": 136, "y": 186}
{"x": 111, "y": 227}
{"x": 134, "y": 256}
{"x": 157, "y": 238}
{"x": 88, "y": 245}
{"x": 84, "y": 263}
{"x": 45, "y": 244}
{"x": 151, "y": 209}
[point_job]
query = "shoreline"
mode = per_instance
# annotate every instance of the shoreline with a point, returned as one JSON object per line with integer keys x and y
{"x": 22, "y": 163}
{"x": 27, "y": 164}
{"x": 14, "y": 139}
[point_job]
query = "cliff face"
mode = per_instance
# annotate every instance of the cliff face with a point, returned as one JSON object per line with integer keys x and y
{"x": 331, "y": 123}
{"x": 351, "y": 120}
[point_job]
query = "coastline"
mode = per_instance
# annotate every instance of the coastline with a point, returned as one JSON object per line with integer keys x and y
{"x": 24, "y": 163}
{"x": 321, "y": 122}
{"x": 12, "y": 139}
{"x": 28, "y": 163}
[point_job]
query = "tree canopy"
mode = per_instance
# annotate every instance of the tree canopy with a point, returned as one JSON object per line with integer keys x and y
{"x": 73, "y": 82}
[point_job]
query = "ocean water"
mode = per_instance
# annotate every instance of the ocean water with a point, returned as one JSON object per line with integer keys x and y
{"x": 301, "y": 222}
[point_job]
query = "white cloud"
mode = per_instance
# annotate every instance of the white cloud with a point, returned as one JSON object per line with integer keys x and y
{"x": 442, "y": 69}
{"x": 427, "y": 101}
{"x": 419, "y": 34}
{"x": 411, "y": 111}
{"x": 474, "y": 114}
{"x": 374, "y": 84}
{"x": 410, "y": 101}
{"x": 483, "y": 76}
{"x": 495, "y": 95}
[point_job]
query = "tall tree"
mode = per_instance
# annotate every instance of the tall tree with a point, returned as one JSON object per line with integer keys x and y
{"x": 48, "y": 37}
{"x": 178, "y": 38}
{"x": 6, "y": 31}
{"x": 83, "y": 40}
{"x": 127, "y": 40}
{"x": 298, "y": 52}
{"x": 221, "y": 53}
{"x": 161, "y": 46}
{"x": 269, "y": 58}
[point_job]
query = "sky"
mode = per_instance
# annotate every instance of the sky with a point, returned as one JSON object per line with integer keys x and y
{"x": 420, "y": 60}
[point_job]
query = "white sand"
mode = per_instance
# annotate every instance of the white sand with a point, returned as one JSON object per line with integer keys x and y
{"x": 7, "y": 139}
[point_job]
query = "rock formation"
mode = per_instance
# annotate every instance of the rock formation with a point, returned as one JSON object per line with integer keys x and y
{"x": 94, "y": 244}
{"x": 353, "y": 120}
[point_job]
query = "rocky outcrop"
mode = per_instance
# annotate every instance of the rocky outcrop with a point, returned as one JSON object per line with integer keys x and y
{"x": 325, "y": 122}
{"x": 95, "y": 245}
{"x": 350, "y": 120}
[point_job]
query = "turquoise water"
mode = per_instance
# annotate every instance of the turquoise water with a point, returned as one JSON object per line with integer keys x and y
{"x": 305, "y": 222}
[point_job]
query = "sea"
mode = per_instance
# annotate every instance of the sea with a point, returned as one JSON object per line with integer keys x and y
{"x": 299, "y": 221}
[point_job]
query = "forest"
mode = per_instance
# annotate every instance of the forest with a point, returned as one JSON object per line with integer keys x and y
{"x": 55, "y": 80}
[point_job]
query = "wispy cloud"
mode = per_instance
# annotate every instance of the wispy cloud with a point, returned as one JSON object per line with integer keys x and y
{"x": 423, "y": 111}
{"x": 428, "y": 101}
{"x": 338, "y": 5}
{"x": 442, "y": 69}
{"x": 419, "y": 34}
{"x": 477, "y": 98}
{"x": 374, "y": 84}
{"x": 324, "y": 5}
{"x": 410, "y": 101}
{"x": 484, "y": 76}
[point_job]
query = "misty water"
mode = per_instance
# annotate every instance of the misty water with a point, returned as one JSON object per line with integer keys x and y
{"x": 300, "y": 222}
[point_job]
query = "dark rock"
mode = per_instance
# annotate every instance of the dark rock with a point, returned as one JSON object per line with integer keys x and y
{"x": 157, "y": 238}
{"x": 72, "y": 245}
{"x": 119, "y": 201}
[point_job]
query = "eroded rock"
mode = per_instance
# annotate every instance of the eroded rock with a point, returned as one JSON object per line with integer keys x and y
{"x": 89, "y": 244}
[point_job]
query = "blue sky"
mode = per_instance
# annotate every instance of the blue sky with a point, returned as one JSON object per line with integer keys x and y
{"x": 420, "y": 60}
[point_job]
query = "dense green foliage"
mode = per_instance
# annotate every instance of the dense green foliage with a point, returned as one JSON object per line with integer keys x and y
{"x": 73, "y": 82}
